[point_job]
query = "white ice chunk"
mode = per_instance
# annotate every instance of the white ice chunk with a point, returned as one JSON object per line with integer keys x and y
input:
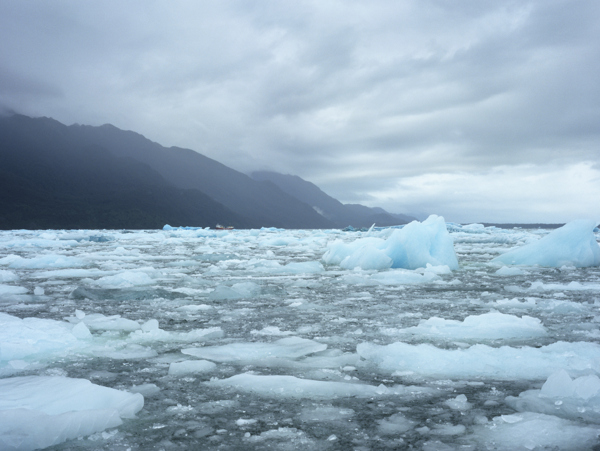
{"x": 42, "y": 262}
{"x": 8, "y": 276}
{"x": 38, "y": 411}
{"x": 560, "y": 395}
{"x": 34, "y": 337}
{"x": 191, "y": 367}
{"x": 97, "y": 321}
{"x": 506, "y": 271}
{"x": 240, "y": 290}
{"x": 412, "y": 247}
{"x": 11, "y": 289}
{"x": 481, "y": 361}
{"x": 528, "y": 431}
{"x": 458, "y": 403}
{"x": 285, "y": 348}
{"x": 125, "y": 279}
{"x": 395, "y": 424}
{"x": 490, "y": 326}
{"x": 293, "y": 387}
{"x": 573, "y": 244}
{"x": 160, "y": 335}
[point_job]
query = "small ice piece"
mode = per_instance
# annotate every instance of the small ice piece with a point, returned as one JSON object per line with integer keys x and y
{"x": 506, "y": 271}
{"x": 326, "y": 414}
{"x": 81, "y": 331}
{"x": 97, "y": 321}
{"x": 293, "y": 387}
{"x": 395, "y": 424}
{"x": 191, "y": 367}
{"x": 38, "y": 291}
{"x": 146, "y": 390}
{"x": 574, "y": 244}
{"x": 481, "y": 361}
{"x": 150, "y": 325}
{"x": 458, "y": 403}
{"x": 41, "y": 411}
{"x": 560, "y": 395}
{"x": 530, "y": 431}
{"x": 242, "y": 422}
{"x": 11, "y": 289}
{"x": 491, "y": 326}
{"x": 125, "y": 279}
{"x": 7, "y": 276}
{"x": 286, "y": 348}
{"x": 34, "y": 338}
{"x": 42, "y": 262}
{"x": 160, "y": 335}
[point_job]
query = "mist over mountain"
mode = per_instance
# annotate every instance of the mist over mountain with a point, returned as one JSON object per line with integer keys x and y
{"x": 79, "y": 176}
{"x": 340, "y": 214}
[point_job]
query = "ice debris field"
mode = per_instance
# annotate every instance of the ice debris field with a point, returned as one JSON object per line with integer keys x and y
{"x": 431, "y": 336}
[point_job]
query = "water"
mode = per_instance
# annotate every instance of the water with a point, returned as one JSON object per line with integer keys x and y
{"x": 238, "y": 281}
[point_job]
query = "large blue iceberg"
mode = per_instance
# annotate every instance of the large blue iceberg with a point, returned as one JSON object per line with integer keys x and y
{"x": 414, "y": 246}
{"x": 574, "y": 244}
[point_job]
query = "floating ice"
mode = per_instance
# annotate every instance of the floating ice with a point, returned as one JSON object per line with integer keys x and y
{"x": 97, "y": 321}
{"x": 412, "y": 247}
{"x": 125, "y": 279}
{"x": 38, "y": 411}
{"x": 531, "y": 431}
{"x": 574, "y": 399}
{"x": 481, "y": 361}
{"x": 285, "y": 348}
{"x": 237, "y": 291}
{"x": 489, "y": 326}
{"x": 34, "y": 338}
{"x": 573, "y": 244}
{"x": 506, "y": 271}
{"x": 191, "y": 367}
{"x": 294, "y": 387}
{"x": 42, "y": 262}
{"x": 11, "y": 289}
{"x": 7, "y": 276}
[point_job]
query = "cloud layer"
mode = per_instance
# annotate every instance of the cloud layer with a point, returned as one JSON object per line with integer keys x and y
{"x": 480, "y": 111}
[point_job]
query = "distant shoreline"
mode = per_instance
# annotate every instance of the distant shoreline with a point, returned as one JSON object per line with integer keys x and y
{"x": 522, "y": 226}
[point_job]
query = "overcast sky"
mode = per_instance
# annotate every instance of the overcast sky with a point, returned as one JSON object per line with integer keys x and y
{"x": 480, "y": 111}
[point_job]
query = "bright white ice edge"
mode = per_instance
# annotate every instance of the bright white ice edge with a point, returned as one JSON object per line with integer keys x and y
{"x": 37, "y": 411}
{"x": 573, "y": 244}
{"x": 63, "y": 408}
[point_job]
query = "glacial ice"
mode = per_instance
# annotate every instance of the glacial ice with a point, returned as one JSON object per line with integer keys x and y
{"x": 489, "y": 326}
{"x": 573, "y": 399}
{"x": 573, "y": 244}
{"x": 425, "y": 361}
{"x": 285, "y": 348}
{"x": 414, "y": 246}
{"x": 282, "y": 349}
{"x": 61, "y": 409}
{"x": 294, "y": 387}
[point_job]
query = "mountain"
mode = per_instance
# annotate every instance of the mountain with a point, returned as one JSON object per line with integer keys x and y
{"x": 49, "y": 179}
{"x": 340, "y": 214}
{"x": 57, "y": 176}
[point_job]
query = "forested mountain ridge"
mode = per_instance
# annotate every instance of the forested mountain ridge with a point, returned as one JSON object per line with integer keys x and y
{"x": 80, "y": 176}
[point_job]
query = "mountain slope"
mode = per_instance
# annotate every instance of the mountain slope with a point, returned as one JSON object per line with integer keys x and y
{"x": 341, "y": 214}
{"x": 48, "y": 179}
{"x": 261, "y": 202}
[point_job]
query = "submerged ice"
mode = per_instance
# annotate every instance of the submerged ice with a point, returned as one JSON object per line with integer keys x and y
{"x": 398, "y": 338}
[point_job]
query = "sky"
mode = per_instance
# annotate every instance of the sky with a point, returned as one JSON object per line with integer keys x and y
{"x": 479, "y": 111}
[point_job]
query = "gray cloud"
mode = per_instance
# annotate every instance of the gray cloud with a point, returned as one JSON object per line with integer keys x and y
{"x": 360, "y": 98}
